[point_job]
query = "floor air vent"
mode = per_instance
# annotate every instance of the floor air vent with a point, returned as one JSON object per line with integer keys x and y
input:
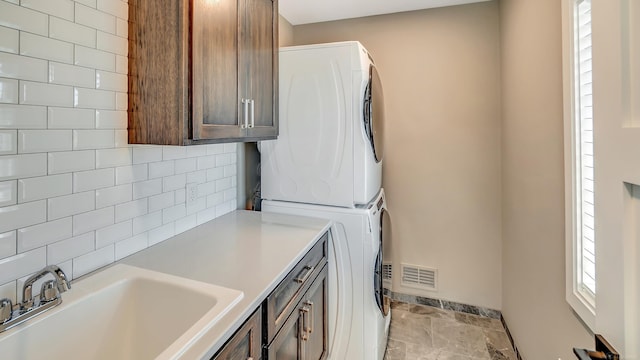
{"x": 387, "y": 272}
{"x": 419, "y": 277}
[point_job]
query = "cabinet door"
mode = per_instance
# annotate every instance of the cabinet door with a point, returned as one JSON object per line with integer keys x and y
{"x": 259, "y": 54}
{"x": 246, "y": 343}
{"x": 215, "y": 97}
{"x": 288, "y": 344}
{"x": 316, "y": 328}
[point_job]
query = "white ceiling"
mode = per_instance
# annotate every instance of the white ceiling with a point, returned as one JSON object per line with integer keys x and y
{"x": 310, "y": 11}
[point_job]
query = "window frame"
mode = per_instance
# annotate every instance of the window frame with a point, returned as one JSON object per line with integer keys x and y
{"x": 582, "y": 302}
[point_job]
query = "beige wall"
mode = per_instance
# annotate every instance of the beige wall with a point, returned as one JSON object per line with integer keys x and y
{"x": 533, "y": 301}
{"x": 285, "y": 32}
{"x": 441, "y": 74}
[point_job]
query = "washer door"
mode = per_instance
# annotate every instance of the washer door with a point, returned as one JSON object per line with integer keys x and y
{"x": 374, "y": 113}
{"x": 384, "y": 303}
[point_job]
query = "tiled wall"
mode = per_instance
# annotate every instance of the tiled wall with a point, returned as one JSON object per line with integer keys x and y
{"x": 72, "y": 192}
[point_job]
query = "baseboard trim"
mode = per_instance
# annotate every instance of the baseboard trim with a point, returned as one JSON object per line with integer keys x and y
{"x": 513, "y": 343}
{"x": 445, "y": 305}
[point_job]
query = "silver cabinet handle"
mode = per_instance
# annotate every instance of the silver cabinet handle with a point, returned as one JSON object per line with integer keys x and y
{"x": 253, "y": 114}
{"x": 301, "y": 279}
{"x": 309, "y": 328}
{"x": 304, "y": 312}
{"x": 245, "y": 114}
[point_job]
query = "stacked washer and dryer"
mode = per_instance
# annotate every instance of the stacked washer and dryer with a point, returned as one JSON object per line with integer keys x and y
{"x": 327, "y": 163}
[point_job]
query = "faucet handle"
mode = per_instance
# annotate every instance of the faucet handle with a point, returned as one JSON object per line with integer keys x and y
{"x": 6, "y": 310}
{"x": 48, "y": 292}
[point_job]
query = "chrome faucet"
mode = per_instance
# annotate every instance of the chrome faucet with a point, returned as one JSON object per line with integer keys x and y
{"x": 12, "y": 315}
{"x": 27, "y": 289}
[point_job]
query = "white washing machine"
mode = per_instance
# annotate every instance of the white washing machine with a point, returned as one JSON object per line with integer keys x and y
{"x": 329, "y": 150}
{"x": 359, "y": 313}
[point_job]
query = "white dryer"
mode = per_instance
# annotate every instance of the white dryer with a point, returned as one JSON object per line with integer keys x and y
{"x": 358, "y": 311}
{"x": 329, "y": 150}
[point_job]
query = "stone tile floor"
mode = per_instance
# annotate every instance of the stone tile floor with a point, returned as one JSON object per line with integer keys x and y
{"x": 421, "y": 332}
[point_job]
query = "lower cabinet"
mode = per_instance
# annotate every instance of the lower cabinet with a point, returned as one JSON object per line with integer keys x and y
{"x": 304, "y": 335}
{"x": 246, "y": 343}
{"x": 291, "y": 324}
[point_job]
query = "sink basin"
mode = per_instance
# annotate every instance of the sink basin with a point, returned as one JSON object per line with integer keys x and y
{"x": 122, "y": 312}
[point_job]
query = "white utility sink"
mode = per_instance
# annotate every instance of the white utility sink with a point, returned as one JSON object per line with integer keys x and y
{"x": 122, "y": 312}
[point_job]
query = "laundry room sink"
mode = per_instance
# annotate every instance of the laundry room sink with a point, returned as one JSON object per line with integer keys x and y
{"x": 122, "y": 312}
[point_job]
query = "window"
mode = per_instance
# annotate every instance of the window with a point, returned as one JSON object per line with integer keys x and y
{"x": 579, "y": 164}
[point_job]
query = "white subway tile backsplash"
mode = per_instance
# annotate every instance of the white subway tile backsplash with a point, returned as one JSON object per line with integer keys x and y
{"x": 122, "y": 28}
{"x": 174, "y": 213}
{"x": 113, "y": 157}
{"x": 94, "y": 58}
{"x": 161, "y": 201}
{"x": 69, "y": 181}
{"x": 94, "y": 99}
{"x": 113, "y": 195}
{"x": 20, "y": 265}
{"x": 185, "y": 165}
{"x": 106, "y": 80}
{"x": 22, "y": 215}
{"x": 186, "y": 223}
{"x": 69, "y": 161}
{"x": 87, "y": 263}
{"x": 95, "y": 19}
{"x": 162, "y": 233}
{"x": 207, "y": 162}
{"x": 64, "y": 206}
{"x": 65, "y": 74}
{"x": 223, "y": 184}
{"x": 8, "y": 91}
{"x": 115, "y": 8}
{"x": 37, "y": 141}
{"x": 114, "y": 233}
{"x": 161, "y": 169}
{"x": 33, "y": 93}
{"x": 92, "y": 220}
{"x": 122, "y": 65}
{"x": 23, "y": 117}
{"x": 69, "y": 118}
{"x": 60, "y": 8}
{"x": 131, "y": 173}
{"x": 43, "y": 234}
{"x": 9, "y": 40}
{"x": 8, "y": 244}
{"x": 22, "y": 166}
{"x": 174, "y": 152}
{"x": 68, "y": 249}
{"x": 22, "y": 67}
{"x": 8, "y": 142}
{"x": 174, "y": 182}
{"x": 44, "y": 187}
{"x": 8, "y": 291}
{"x": 93, "y": 179}
{"x": 93, "y": 139}
{"x": 112, "y": 43}
{"x": 198, "y": 177}
{"x": 9, "y": 193}
{"x": 131, "y": 210}
{"x": 121, "y": 138}
{"x": 146, "y": 154}
{"x": 132, "y": 245}
{"x": 147, "y": 222}
{"x": 148, "y": 188}
{"x": 21, "y": 18}
{"x": 122, "y": 101}
{"x": 108, "y": 119}
{"x": 71, "y": 32}
{"x": 42, "y": 47}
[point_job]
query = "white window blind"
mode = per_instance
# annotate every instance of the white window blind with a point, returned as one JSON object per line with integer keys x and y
{"x": 584, "y": 152}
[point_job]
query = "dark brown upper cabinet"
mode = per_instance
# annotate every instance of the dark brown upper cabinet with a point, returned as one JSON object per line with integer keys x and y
{"x": 202, "y": 71}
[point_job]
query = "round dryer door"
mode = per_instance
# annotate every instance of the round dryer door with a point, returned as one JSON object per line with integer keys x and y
{"x": 374, "y": 113}
{"x": 384, "y": 303}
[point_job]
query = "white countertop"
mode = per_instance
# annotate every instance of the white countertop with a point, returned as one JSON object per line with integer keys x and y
{"x": 247, "y": 251}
